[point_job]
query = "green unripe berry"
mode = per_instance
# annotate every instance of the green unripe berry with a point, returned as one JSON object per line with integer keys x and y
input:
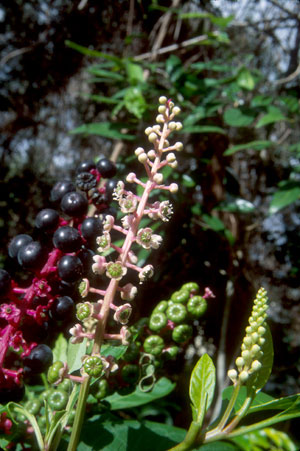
{"x": 182, "y": 333}
{"x": 197, "y": 306}
{"x": 71, "y": 417}
{"x": 130, "y": 373}
{"x": 33, "y": 406}
{"x": 93, "y": 366}
{"x": 100, "y": 389}
{"x": 53, "y": 372}
{"x": 157, "y": 321}
{"x": 44, "y": 396}
{"x": 181, "y": 296}
{"x": 154, "y": 345}
{"x": 172, "y": 352}
{"x": 132, "y": 352}
{"x": 58, "y": 400}
{"x": 66, "y": 385}
{"x": 83, "y": 311}
{"x": 177, "y": 313}
{"x": 161, "y": 307}
{"x": 191, "y": 287}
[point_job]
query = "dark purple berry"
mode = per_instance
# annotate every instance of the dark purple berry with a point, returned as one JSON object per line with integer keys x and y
{"x": 31, "y": 256}
{"x": 34, "y": 332}
{"x": 74, "y": 204}
{"x": 39, "y": 359}
{"x": 109, "y": 211}
{"x": 16, "y": 243}
{"x": 13, "y": 393}
{"x": 67, "y": 239}
{"x": 5, "y": 282}
{"x": 106, "y": 168}
{"x": 86, "y": 181}
{"x": 86, "y": 257}
{"x": 60, "y": 189}
{"x": 110, "y": 185}
{"x": 63, "y": 308}
{"x": 98, "y": 198}
{"x": 85, "y": 166}
{"x": 91, "y": 228}
{"x": 47, "y": 220}
{"x": 70, "y": 268}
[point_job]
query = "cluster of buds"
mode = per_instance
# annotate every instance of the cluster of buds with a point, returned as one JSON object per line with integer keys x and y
{"x": 251, "y": 352}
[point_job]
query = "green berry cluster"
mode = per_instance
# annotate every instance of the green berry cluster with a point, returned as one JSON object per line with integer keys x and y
{"x": 251, "y": 353}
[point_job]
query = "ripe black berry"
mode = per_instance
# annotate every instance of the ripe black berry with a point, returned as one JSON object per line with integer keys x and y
{"x": 91, "y": 228}
{"x": 70, "y": 268}
{"x": 16, "y": 243}
{"x": 62, "y": 308}
{"x": 39, "y": 359}
{"x": 31, "y": 256}
{"x": 98, "y": 198}
{"x": 109, "y": 188}
{"x": 67, "y": 239}
{"x": 60, "y": 189}
{"x": 86, "y": 181}
{"x": 74, "y": 204}
{"x": 85, "y": 166}
{"x": 106, "y": 168}
{"x": 5, "y": 282}
{"x": 47, "y": 220}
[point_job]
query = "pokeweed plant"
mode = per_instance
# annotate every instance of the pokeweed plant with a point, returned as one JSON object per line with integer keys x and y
{"x": 104, "y": 353}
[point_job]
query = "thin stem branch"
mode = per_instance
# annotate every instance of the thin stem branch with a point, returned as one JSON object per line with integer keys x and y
{"x": 79, "y": 416}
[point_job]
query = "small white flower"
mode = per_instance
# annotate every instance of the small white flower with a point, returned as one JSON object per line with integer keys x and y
{"x": 104, "y": 242}
{"x": 118, "y": 191}
{"x": 146, "y": 273}
{"x": 128, "y": 203}
{"x": 122, "y": 314}
{"x": 76, "y": 332}
{"x": 127, "y": 221}
{"x": 115, "y": 270}
{"x": 144, "y": 237}
{"x": 84, "y": 287}
{"x": 132, "y": 258}
{"x": 156, "y": 241}
{"x": 108, "y": 223}
{"x": 165, "y": 210}
{"x": 131, "y": 177}
{"x": 128, "y": 292}
{"x": 125, "y": 335}
{"x": 99, "y": 266}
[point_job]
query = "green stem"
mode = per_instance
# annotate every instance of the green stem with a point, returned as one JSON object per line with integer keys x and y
{"x": 240, "y": 414}
{"x": 214, "y": 433}
{"x": 79, "y": 415}
{"x": 190, "y": 438}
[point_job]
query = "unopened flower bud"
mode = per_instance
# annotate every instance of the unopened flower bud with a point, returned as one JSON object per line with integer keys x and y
{"x": 142, "y": 157}
{"x": 152, "y": 137}
{"x": 176, "y": 110}
{"x": 160, "y": 118}
{"x": 173, "y": 188}
{"x": 156, "y": 128}
{"x": 138, "y": 151}
{"x": 158, "y": 178}
{"x": 244, "y": 376}
{"x": 256, "y": 365}
{"x": 131, "y": 177}
{"x": 173, "y": 165}
{"x": 162, "y": 109}
{"x": 162, "y": 100}
{"x": 247, "y": 341}
{"x": 151, "y": 154}
{"x": 148, "y": 130}
{"x": 232, "y": 374}
{"x": 240, "y": 362}
{"x": 246, "y": 355}
{"x": 172, "y": 125}
{"x": 255, "y": 349}
{"x": 171, "y": 157}
{"x": 261, "y": 330}
{"x": 178, "y": 126}
{"x": 178, "y": 146}
{"x": 171, "y": 105}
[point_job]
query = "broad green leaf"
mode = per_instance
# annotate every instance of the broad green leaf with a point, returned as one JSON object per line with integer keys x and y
{"x": 134, "y": 102}
{"x": 261, "y": 100}
{"x": 274, "y": 115}
{"x": 267, "y": 438}
{"x": 60, "y": 349}
{"x": 204, "y": 129}
{"x": 18, "y": 408}
{"x": 105, "y": 129}
{"x": 236, "y": 118}
{"x": 283, "y": 198}
{"x": 213, "y": 222}
{"x": 95, "y": 53}
{"x": 138, "y": 397}
{"x": 258, "y": 379}
{"x": 260, "y": 399}
{"x": 211, "y": 65}
{"x": 116, "y": 351}
{"x": 237, "y": 205}
{"x": 188, "y": 181}
{"x": 202, "y": 386}
{"x": 253, "y": 145}
{"x": 218, "y": 446}
{"x": 245, "y": 79}
{"x": 291, "y": 103}
{"x": 109, "y": 74}
{"x": 75, "y": 353}
{"x": 285, "y": 403}
{"x": 134, "y": 73}
{"x": 125, "y": 435}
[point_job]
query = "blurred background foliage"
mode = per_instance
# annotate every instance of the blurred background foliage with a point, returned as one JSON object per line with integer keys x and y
{"x": 81, "y": 79}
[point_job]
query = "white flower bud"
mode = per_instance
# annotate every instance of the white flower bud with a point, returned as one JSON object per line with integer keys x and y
{"x": 178, "y": 126}
{"x": 162, "y": 109}
{"x": 173, "y": 188}
{"x": 246, "y": 355}
{"x": 255, "y": 349}
{"x": 232, "y": 374}
{"x": 162, "y": 100}
{"x": 142, "y": 157}
{"x": 240, "y": 362}
{"x": 261, "y": 330}
{"x": 131, "y": 177}
{"x": 176, "y": 110}
{"x": 173, "y": 165}
{"x": 256, "y": 365}
{"x": 148, "y": 130}
{"x": 160, "y": 118}
{"x": 158, "y": 178}
{"x": 244, "y": 376}
{"x": 166, "y": 143}
{"x": 156, "y": 128}
{"x": 178, "y": 146}
{"x": 151, "y": 154}
{"x": 172, "y": 125}
{"x": 171, "y": 105}
{"x": 152, "y": 137}
{"x": 138, "y": 151}
{"x": 171, "y": 157}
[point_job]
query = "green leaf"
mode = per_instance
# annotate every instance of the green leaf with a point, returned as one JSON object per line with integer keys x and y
{"x": 283, "y": 198}
{"x": 237, "y": 206}
{"x": 75, "y": 353}
{"x": 105, "y": 129}
{"x": 258, "y": 379}
{"x": 116, "y": 351}
{"x": 236, "y": 118}
{"x": 267, "y": 438}
{"x": 274, "y": 115}
{"x": 213, "y": 222}
{"x": 125, "y": 435}
{"x": 245, "y": 79}
{"x": 202, "y": 386}
{"x": 95, "y": 53}
{"x": 135, "y": 73}
{"x": 261, "y": 100}
{"x": 137, "y": 398}
{"x": 188, "y": 181}
{"x": 108, "y": 74}
{"x": 204, "y": 129}
{"x": 31, "y": 418}
{"x": 60, "y": 348}
{"x": 134, "y": 102}
{"x": 253, "y": 145}
{"x": 260, "y": 398}
{"x": 218, "y": 446}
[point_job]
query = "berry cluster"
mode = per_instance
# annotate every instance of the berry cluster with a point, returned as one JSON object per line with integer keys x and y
{"x": 55, "y": 260}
